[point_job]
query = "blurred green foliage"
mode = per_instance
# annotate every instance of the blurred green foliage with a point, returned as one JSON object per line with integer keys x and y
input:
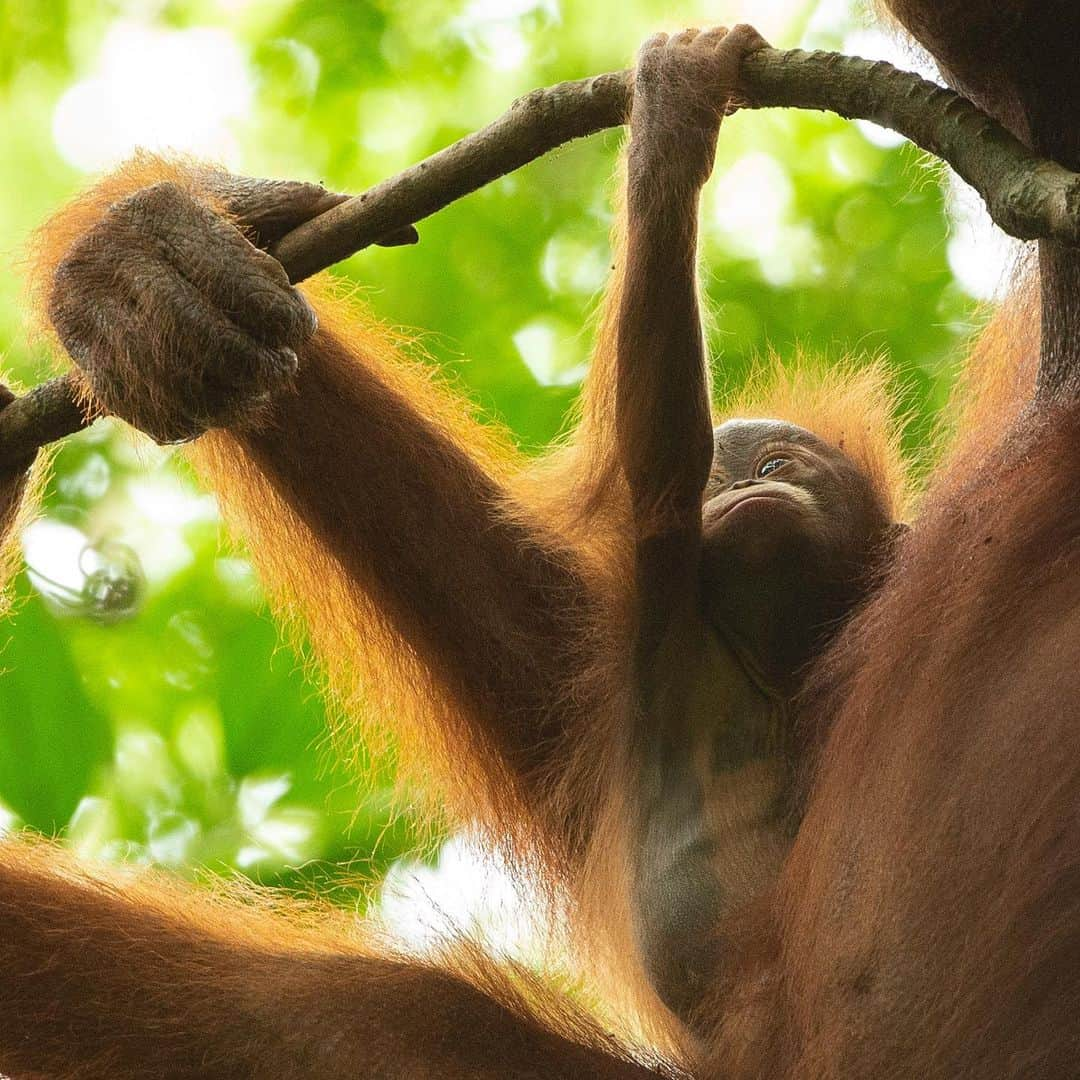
{"x": 177, "y": 729}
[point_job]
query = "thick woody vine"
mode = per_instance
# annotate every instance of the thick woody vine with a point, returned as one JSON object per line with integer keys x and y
{"x": 1029, "y": 197}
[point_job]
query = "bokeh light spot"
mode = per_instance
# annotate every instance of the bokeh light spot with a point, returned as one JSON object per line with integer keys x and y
{"x": 155, "y": 88}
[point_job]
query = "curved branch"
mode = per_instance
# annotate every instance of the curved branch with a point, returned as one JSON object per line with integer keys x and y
{"x": 1027, "y": 196}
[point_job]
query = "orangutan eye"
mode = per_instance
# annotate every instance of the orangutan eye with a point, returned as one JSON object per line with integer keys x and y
{"x": 770, "y": 465}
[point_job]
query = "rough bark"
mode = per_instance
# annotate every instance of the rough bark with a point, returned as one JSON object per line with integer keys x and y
{"x": 1029, "y": 197}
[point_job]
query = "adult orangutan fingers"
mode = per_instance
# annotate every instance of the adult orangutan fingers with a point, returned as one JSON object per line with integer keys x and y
{"x": 651, "y": 44}
{"x": 167, "y": 359}
{"x": 684, "y": 37}
{"x": 743, "y": 40}
{"x": 250, "y": 286}
{"x": 203, "y": 320}
{"x": 746, "y": 38}
{"x": 271, "y": 208}
{"x": 260, "y": 299}
{"x": 103, "y": 331}
{"x": 212, "y": 361}
{"x": 89, "y": 303}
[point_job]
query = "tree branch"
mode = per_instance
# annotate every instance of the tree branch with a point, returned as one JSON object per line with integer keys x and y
{"x": 1027, "y": 196}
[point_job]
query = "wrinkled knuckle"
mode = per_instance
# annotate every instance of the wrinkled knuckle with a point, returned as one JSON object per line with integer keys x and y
{"x": 87, "y": 259}
{"x": 747, "y": 38}
{"x": 270, "y": 310}
{"x": 651, "y": 45}
{"x": 151, "y": 206}
{"x": 266, "y": 265}
{"x": 282, "y": 315}
{"x": 159, "y": 196}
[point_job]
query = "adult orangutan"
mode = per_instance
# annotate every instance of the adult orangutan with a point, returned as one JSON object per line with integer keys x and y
{"x": 793, "y": 851}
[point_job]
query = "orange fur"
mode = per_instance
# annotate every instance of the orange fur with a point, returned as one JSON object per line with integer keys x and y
{"x": 998, "y": 379}
{"x": 229, "y": 988}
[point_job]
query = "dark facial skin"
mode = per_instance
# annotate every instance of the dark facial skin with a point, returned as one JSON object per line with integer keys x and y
{"x": 791, "y": 533}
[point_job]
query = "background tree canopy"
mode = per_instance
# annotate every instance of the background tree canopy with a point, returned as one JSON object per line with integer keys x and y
{"x": 146, "y": 707}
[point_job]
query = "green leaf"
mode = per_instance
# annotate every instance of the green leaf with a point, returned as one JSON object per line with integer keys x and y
{"x": 52, "y": 736}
